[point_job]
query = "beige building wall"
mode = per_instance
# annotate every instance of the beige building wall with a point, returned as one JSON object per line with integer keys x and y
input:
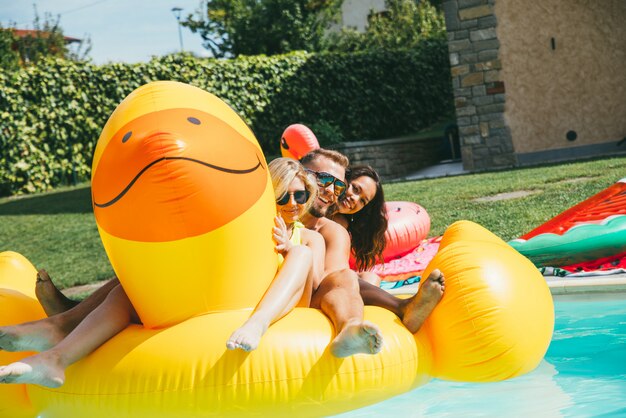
{"x": 578, "y": 86}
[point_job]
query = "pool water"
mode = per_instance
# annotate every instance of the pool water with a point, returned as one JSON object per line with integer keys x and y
{"x": 583, "y": 374}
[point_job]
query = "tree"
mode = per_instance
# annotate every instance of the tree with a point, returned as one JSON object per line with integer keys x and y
{"x": 251, "y": 27}
{"x": 9, "y": 59}
{"x": 45, "y": 40}
{"x": 403, "y": 24}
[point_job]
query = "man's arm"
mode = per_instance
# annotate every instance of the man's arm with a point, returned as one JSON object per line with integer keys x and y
{"x": 337, "y": 242}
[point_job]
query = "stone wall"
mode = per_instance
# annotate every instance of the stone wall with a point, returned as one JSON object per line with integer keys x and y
{"x": 394, "y": 158}
{"x": 479, "y": 91}
{"x": 537, "y": 81}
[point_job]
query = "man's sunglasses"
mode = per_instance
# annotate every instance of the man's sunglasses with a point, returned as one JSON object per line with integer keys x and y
{"x": 300, "y": 196}
{"x": 325, "y": 179}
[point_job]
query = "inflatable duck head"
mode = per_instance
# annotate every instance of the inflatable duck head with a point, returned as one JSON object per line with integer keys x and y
{"x": 184, "y": 204}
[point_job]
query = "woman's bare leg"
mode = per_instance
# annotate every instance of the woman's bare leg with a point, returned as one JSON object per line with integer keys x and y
{"x": 285, "y": 291}
{"x": 45, "y": 333}
{"x": 48, "y": 368}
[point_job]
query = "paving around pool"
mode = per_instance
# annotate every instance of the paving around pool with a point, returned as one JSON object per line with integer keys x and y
{"x": 606, "y": 283}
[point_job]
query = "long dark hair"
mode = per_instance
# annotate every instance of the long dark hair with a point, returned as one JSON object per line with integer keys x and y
{"x": 367, "y": 227}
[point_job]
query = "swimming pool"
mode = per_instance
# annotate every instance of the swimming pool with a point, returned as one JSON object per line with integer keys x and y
{"x": 582, "y": 375}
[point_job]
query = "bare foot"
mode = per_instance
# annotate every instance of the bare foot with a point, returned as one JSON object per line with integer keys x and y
{"x": 51, "y": 298}
{"x": 248, "y": 336}
{"x": 422, "y": 304}
{"x": 42, "y": 369}
{"x": 357, "y": 337}
{"x": 30, "y": 336}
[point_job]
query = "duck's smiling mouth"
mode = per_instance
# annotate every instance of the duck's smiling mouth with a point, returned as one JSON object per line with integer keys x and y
{"x": 192, "y": 160}
{"x": 167, "y": 175}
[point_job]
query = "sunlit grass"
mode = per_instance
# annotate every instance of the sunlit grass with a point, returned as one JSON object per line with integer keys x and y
{"x": 56, "y": 231}
{"x": 555, "y": 188}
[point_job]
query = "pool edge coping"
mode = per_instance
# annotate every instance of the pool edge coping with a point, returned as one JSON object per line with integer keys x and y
{"x": 560, "y": 285}
{"x": 593, "y": 284}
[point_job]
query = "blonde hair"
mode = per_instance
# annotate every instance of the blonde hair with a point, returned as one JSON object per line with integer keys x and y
{"x": 284, "y": 170}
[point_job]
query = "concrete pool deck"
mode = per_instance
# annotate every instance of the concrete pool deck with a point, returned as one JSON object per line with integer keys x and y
{"x": 611, "y": 283}
{"x": 587, "y": 284}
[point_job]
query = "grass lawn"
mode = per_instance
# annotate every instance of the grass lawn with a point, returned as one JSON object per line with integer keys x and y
{"x": 551, "y": 190}
{"x": 57, "y": 230}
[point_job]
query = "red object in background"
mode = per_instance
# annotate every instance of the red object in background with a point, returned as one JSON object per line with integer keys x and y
{"x": 611, "y": 201}
{"x": 602, "y": 264}
{"x": 409, "y": 265}
{"x": 408, "y": 224}
{"x": 23, "y": 33}
{"x": 297, "y": 141}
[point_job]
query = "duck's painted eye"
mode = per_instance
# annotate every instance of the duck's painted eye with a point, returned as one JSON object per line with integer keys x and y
{"x": 127, "y": 136}
{"x": 193, "y": 120}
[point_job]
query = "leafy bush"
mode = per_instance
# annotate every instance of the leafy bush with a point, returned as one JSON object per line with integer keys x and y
{"x": 251, "y": 27}
{"x": 51, "y": 115}
{"x": 9, "y": 59}
{"x": 403, "y": 24}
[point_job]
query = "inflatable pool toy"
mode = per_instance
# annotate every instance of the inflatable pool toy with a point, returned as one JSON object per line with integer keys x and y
{"x": 479, "y": 269}
{"x": 594, "y": 210}
{"x": 191, "y": 288}
{"x": 408, "y": 225}
{"x": 297, "y": 141}
{"x": 17, "y": 304}
{"x": 409, "y": 265}
{"x": 406, "y": 254}
{"x": 167, "y": 184}
{"x": 591, "y": 230}
{"x": 605, "y": 265}
{"x": 482, "y": 330}
{"x": 581, "y": 243}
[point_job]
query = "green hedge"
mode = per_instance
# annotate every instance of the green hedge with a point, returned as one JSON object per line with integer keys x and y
{"x": 51, "y": 115}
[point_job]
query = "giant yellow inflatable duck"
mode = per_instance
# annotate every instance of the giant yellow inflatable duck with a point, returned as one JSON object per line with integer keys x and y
{"x": 184, "y": 206}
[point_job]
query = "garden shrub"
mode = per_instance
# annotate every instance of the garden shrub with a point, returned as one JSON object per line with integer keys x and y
{"x": 51, "y": 114}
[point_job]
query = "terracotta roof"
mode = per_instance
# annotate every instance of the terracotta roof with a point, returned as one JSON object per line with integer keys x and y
{"x": 21, "y": 33}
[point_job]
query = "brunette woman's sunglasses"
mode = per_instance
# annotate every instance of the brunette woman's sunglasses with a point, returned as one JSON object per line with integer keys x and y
{"x": 300, "y": 196}
{"x": 325, "y": 179}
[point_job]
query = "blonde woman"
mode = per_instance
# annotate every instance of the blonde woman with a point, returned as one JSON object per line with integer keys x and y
{"x": 301, "y": 252}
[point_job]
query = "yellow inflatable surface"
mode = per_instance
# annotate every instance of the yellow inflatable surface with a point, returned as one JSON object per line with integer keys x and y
{"x": 184, "y": 205}
{"x": 17, "y": 304}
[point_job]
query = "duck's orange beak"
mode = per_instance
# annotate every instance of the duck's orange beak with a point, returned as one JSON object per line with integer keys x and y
{"x": 173, "y": 174}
